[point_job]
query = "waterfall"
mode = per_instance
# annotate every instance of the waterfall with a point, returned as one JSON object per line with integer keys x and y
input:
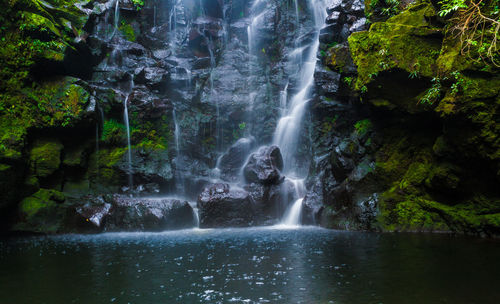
{"x": 296, "y": 2}
{"x": 180, "y": 186}
{"x": 287, "y": 133}
{"x": 292, "y": 216}
{"x": 116, "y": 18}
{"x": 129, "y": 150}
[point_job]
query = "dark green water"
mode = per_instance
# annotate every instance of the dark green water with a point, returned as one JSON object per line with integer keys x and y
{"x": 258, "y": 265}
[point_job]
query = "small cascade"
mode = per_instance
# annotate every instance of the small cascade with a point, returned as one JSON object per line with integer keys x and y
{"x": 129, "y": 150}
{"x": 116, "y": 19}
{"x": 172, "y": 19}
{"x": 283, "y": 99}
{"x": 180, "y": 186}
{"x": 296, "y": 3}
{"x": 292, "y": 216}
{"x": 288, "y": 129}
{"x": 195, "y": 214}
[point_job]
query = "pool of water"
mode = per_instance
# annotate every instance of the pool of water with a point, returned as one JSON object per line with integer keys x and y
{"x": 255, "y": 265}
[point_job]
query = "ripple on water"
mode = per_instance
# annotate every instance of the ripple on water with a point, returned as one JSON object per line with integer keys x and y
{"x": 254, "y": 265}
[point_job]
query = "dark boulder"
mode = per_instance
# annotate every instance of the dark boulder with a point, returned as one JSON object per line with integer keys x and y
{"x": 140, "y": 214}
{"x": 312, "y": 206}
{"x": 264, "y": 166}
{"x": 231, "y": 162}
{"x": 91, "y": 216}
{"x": 271, "y": 201}
{"x": 221, "y": 206}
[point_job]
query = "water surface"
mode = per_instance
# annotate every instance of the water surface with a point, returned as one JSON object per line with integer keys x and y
{"x": 256, "y": 265}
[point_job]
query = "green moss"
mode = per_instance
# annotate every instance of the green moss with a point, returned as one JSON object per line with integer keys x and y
{"x": 74, "y": 156}
{"x": 127, "y": 31}
{"x": 402, "y": 42}
{"x": 110, "y": 157}
{"x": 43, "y": 212}
{"x": 414, "y": 177}
{"x": 113, "y": 132}
{"x": 362, "y": 127}
{"x": 45, "y": 157}
{"x": 44, "y": 198}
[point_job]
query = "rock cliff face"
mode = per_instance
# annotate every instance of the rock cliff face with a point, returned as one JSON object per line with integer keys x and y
{"x": 426, "y": 155}
{"x": 108, "y": 97}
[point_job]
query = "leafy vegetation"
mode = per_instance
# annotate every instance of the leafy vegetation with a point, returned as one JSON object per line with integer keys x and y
{"x": 476, "y": 23}
{"x": 138, "y": 4}
{"x": 33, "y": 32}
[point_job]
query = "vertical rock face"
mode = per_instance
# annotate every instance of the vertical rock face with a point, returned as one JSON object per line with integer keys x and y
{"x": 197, "y": 61}
{"x": 342, "y": 160}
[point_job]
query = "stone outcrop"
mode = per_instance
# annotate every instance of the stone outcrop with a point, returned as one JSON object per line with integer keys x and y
{"x": 222, "y": 206}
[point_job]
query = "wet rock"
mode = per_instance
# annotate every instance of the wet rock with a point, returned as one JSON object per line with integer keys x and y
{"x": 342, "y": 166}
{"x": 354, "y": 7}
{"x": 271, "y": 201}
{"x": 45, "y": 157}
{"x": 43, "y": 212}
{"x": 231, "y": 162}
{"x": 150, "y": 76}
{"x": 312, "y": 206}
{"x": 264, "y": 166}
{"x": 90, "y": 216}
{"x": 327, "y": 80}
{"x": 140, "y": 214}
{"x": 221, "y": 206}
{"x": 148, "y": 166}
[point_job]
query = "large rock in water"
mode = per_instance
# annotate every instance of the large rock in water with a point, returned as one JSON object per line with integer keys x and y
{"x": 149, "y": 214}
{"x": 264, "y": 166}
{"x": 122, "y": 213}
{"x": 271, "y": 201}
{"x": 221, "y": 206}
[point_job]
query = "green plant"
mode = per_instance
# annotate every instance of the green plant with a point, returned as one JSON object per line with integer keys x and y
{"x": 237, "y": 133}
{"x": 433, "y": 93}
{"x": 460, "y": 84}
{"x": 138, "y": 4}
{"x": 449, "y": 6}
{"x": 363, "y": 126}
{"x": 347, "y": 80}
{"x": 113, "y": 131}
{"x": 476, "y": 23}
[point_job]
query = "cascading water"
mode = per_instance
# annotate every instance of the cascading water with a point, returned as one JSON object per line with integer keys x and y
{"x": 202, "y": 51}
{"x": 180, "y": 187}
{"x": 116, "y": 18}
{"x": 288, "y": 129}
{"x": 129, "y": 149}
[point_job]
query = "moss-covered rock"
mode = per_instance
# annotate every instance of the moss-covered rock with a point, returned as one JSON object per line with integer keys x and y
{"x": 408, "y": 41}
{"x": 45, "y": 157}
{"x": 438, "y": 127}
{"x": 43, "y": 212}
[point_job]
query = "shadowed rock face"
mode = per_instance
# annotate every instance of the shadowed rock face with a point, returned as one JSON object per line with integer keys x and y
{"x": 264, "y": 166}
{"x": 221, "y": 206}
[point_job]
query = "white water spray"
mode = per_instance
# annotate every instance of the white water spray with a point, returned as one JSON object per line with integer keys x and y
{"x": 288, "y": 129}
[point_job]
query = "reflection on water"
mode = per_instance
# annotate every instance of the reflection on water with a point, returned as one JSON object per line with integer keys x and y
{"x": 258, "y": 265}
